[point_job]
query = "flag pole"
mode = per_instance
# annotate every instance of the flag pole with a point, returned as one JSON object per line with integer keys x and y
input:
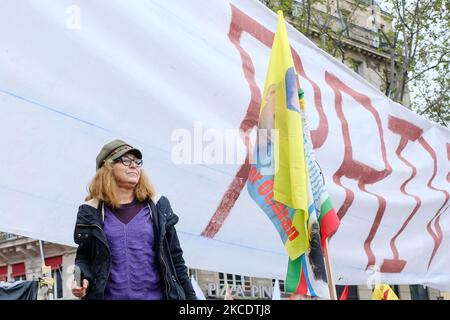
{"x": 41, "y": 249}
{"x": 42, "y": 282}
{"x": 331, "y": 285}
{"x": 46, "y": 282}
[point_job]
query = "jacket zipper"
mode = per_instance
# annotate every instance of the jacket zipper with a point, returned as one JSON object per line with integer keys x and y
{"x": 168, "y": 286}
{"x": 163, "y": 264}
{"x": 174, "y": 276}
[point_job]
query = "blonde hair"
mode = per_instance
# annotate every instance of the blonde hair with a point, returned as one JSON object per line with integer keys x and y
{"x": 103, "y": 186}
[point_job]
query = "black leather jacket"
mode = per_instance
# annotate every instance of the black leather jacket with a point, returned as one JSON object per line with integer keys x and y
{"x": 94, "y": 257}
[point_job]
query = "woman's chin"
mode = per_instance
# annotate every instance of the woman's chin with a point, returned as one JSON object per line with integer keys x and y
{"x": 129, "y": 183}
{"x": 133, "y": 182}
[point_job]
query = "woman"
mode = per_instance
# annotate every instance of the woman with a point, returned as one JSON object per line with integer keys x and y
{"x": 128, "y": 247}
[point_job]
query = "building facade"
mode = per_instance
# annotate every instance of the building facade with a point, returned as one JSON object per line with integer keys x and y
{"x": 20, "y": 259}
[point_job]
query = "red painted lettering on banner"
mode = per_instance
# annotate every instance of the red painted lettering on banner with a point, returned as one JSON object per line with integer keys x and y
{"x": 241, "y": 23}
{"x": 408, "y": 132}
{"x": 354, "y": 169}
{"x": 438, "y": 235}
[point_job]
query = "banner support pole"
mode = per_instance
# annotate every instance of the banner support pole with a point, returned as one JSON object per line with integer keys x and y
{"x": 331, "y": 285}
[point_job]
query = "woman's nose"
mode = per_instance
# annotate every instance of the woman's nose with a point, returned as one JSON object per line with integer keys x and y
{"x": 133, "y": 164}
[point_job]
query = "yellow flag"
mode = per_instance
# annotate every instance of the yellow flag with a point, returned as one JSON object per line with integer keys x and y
{"x": 291, "y": 178}
{"x": 384, "y": 292}
{"x": 278, "y": 178}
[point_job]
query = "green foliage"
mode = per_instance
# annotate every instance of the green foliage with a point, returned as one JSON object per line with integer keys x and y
{"x": 422, "y": 53}
{"x": 283, "y": 5}
{"x": 416, "y": 74}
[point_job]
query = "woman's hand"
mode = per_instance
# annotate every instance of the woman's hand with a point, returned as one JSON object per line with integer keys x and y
{"x": 80, "y": 292}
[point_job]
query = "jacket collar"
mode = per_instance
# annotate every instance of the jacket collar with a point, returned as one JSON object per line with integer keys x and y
{"x": 93, "y": 212}
{"x": 87, "y": 214}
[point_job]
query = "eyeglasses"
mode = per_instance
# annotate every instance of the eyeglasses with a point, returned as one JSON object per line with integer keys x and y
{"x": 127, "y": 161}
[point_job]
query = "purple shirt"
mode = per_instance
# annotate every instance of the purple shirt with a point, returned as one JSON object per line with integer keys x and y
{"x": 127, "y": 211}
{"x": 134, "y": 271}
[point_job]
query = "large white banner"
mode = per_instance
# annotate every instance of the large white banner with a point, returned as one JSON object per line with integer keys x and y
{"x": 75, "y": 75}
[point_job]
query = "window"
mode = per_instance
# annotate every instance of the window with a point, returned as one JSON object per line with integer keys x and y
{"x": 247, "y": 284}
{"x": 281, "y": 283}
{"x": 296, "y": 8}
{"x": 396, "y": 290}
{"x": 235, "y": 280}
{"x": 221, "y": 278}
{"x": 7, "y": 236}
{"x": 230, "y": 279}
{"x": 18, "y": 271}
{"x": 345, "y": 15}
{"x": 55, "y": 264}
{"x": 355, "y": 65}
{"x": 193, "y": 272}
{"x": 419, "y": 292}
{"x": 4, "y": 273}
{"x": 57, "y": 286}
